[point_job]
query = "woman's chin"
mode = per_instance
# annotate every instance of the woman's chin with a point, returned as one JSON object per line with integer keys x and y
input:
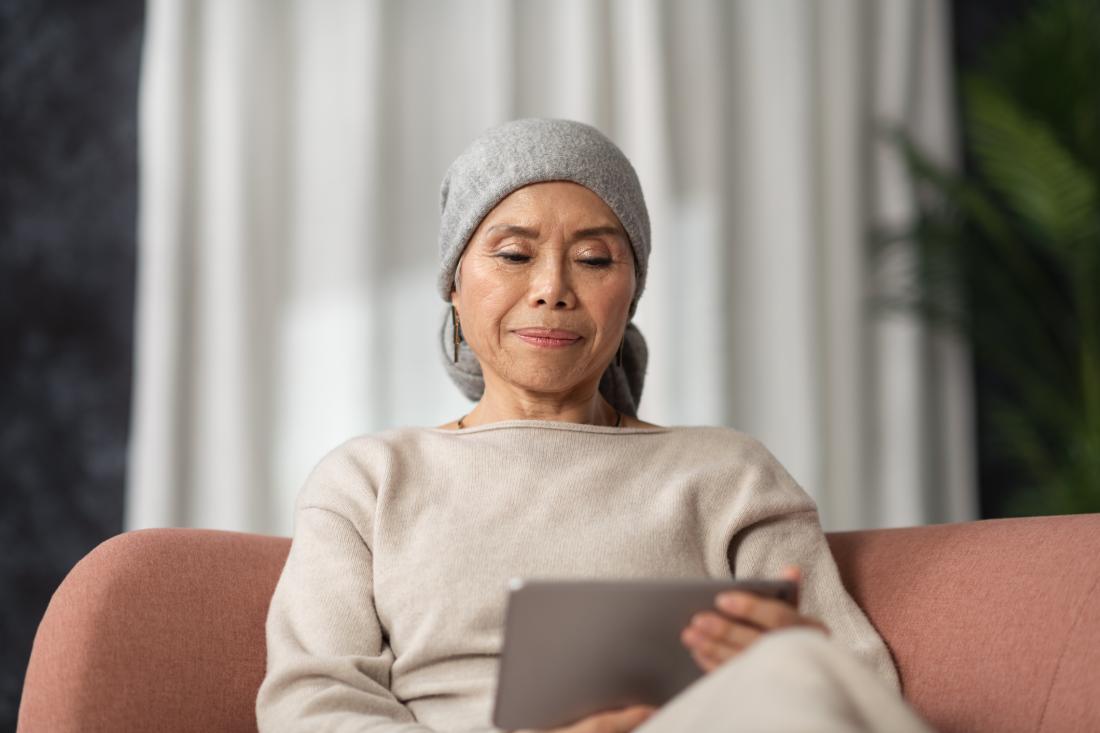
{"x": 549, "y": 384}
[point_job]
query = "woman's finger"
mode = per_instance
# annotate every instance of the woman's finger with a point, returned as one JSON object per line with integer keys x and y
{"x": 710, "y": 652}
{"x": 611, "y": 721}
{"x": 724, "y": 630}
{"x": 614, "y": 721}
{"x": 724, "y": 642}
{"x": 767, "y": 613}
{"x": 705, "y": 662}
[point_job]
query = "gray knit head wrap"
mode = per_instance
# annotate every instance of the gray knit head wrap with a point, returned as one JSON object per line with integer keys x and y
{"x": 515, "y": 154}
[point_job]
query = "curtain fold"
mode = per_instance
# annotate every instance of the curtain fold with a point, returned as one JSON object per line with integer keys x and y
{"x": 291, "y": 154}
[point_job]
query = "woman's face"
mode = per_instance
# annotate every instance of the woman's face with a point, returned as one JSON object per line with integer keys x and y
{"x": 549, "y": 256}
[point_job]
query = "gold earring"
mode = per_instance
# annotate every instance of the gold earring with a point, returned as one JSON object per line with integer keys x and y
{"x": 456, "y": 331}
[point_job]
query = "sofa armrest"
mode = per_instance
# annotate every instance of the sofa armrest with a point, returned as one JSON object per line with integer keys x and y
{"x": 994, "y": 624}
{"x": 162, "y": 625}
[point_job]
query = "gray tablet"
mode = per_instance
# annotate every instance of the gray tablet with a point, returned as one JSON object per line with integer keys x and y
{"x": 576, "y": 647}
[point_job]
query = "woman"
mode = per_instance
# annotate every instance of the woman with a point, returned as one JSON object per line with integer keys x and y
{"x": 388, "y": 614}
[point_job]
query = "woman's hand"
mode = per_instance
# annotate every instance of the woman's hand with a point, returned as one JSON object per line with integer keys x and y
{"x": 714, "y": 638}
{"x": 612, "y": 721}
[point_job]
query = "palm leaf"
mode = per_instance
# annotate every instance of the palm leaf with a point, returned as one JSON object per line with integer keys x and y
{"x": 1008, "y": 250}
{"x": 1023, "y": 161}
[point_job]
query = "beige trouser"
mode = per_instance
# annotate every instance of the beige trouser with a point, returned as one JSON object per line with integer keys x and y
{"x": 788, "y": 680}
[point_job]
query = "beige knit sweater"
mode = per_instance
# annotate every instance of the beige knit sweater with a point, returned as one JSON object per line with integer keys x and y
{"x": 388, "y": 615}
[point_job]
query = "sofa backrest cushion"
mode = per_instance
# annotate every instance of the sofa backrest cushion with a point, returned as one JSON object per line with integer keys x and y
{"x": 994, "y": 625}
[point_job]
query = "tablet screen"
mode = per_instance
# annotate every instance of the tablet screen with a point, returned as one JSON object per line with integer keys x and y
{"x": 576, "y": 647}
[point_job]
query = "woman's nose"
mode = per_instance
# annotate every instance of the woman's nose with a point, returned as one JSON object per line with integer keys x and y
{"x": 551, "y": 285}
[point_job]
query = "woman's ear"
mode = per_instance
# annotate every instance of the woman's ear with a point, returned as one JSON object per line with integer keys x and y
{"x": 457, "y": 280}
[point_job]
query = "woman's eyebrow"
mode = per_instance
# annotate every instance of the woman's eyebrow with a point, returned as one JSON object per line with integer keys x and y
{"x": 597, "y": 232}
{"x": 515, "y": 229}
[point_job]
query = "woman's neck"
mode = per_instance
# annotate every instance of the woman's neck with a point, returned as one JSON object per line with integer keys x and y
{"x": 594, "y": 410}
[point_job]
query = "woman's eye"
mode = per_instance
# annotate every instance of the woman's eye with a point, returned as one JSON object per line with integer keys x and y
{"x": 591, "y": 262}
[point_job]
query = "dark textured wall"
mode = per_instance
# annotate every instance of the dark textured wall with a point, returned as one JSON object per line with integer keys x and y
{"x": 68, "y": 192}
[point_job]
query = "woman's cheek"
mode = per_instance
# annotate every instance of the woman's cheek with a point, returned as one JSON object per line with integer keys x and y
{"x": 485, "y": 324}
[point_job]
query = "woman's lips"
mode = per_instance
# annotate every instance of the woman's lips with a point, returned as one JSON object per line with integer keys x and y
{"x": 548, "y": 337}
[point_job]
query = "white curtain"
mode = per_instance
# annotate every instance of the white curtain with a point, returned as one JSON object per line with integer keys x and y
{"x": 291, "y": 154}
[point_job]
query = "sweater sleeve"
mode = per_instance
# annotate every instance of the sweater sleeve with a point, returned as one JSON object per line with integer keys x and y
{"x": 328, "y": 661}
{"x": 789, "y": 532}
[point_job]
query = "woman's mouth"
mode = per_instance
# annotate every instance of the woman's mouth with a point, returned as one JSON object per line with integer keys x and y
{"x": 548, "y": 337}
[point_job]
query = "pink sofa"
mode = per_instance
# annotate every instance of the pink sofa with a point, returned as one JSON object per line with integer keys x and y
{"x": 995, "y": 626}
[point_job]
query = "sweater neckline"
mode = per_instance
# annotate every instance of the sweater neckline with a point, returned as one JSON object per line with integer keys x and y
{"x": 573, "y": 427}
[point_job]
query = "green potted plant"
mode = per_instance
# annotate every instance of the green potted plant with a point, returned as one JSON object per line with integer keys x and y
{"x": 1008, "y": 251}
